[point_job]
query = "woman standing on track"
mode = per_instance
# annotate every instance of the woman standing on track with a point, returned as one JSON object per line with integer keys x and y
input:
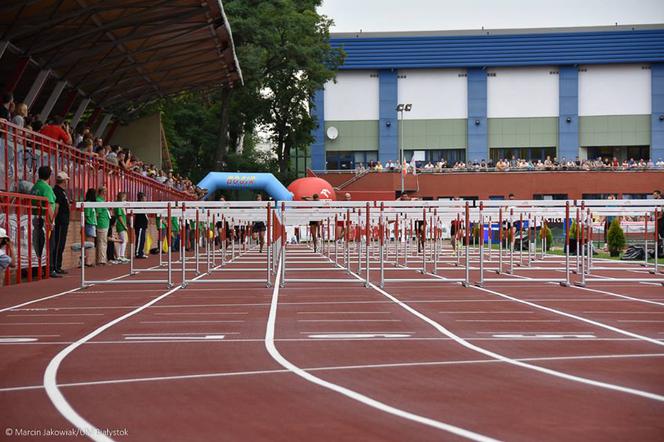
{"x": 340, "y": 230}
{"x": 258, "y": 228}
{"x": 314, "y": 225}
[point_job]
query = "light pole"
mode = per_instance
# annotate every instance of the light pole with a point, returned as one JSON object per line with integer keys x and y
{"x": 401, "y": 108}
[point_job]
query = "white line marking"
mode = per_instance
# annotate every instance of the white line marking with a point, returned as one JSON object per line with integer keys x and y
{"x": 572, "y": 316}
{"x": 623, "y": 312}
{"x": 30, "y": 336}
{"x": 4, "y": 340}
{"x": 177, "y": 334}
{"x": 507, "y": 320}
{"x": 631, "y": 298}
{"x": 330, "y": 368}
{"x": 173, "y": 337}
{"x": 359, "y": 332}
{"x": 344, "y": 313}
{"x": 187, "y": 322}
{"x": 50, "y": 375}
{"x": 349, "y": 320}
{"x": 359, "y": 335}
{"x": 542, "y": 336}
{"x": 491, "y": 354}
{"x": 200, "y": 313}
{"x": 57, "y": 314}
{"x": 635, "y": 320}
{"x": 42, "y": 323}
{"x": 272, "y": 349}
{"x": 485, "y": 312}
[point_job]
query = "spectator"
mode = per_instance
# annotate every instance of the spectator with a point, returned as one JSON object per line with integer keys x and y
{"x": 90, "y": 229}
{"x": 103, "y": 221}
{"x": 140, "y": 229}
{"x": 59, "y": 236}
{"x": 43, "y": 189}
{"x": 6, "y": 106}
{"x": 6, "y": 253}
{"x": 121, "y": 228}
{"x": 58, "y": 130}
{"x": 20, "y": 115}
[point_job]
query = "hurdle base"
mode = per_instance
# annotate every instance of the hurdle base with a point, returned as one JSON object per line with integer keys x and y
{"x": 564, "y": 284}
{"x": 579, "y": 284}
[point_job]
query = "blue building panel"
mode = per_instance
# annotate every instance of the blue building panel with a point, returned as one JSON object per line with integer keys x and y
{"x": 478, "y": 130}
{"x": 657, "y": 116}
{"x": 531, "y": 49}
{"x": 568, "y": 121}
{"x": 318, "y": 146}
{"x": 388, "y": 148}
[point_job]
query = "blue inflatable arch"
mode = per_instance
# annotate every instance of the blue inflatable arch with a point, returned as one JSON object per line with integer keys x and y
{"x": 245, "y": 181}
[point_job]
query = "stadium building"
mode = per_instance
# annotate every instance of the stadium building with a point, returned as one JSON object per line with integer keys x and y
{"x": 490, "y": 94}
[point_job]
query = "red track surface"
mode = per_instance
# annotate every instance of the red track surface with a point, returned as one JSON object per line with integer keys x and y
{"x": 187, "y": 387}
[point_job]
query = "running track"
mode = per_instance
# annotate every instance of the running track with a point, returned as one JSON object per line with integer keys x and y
{"x": 423, "y": 361}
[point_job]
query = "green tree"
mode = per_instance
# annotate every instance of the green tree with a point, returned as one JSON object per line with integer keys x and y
{"x": 615, "y": 238}
{"x": 285, "y": 56}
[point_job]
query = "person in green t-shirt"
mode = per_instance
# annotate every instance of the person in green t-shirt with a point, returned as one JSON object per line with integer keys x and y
{"x": 103, "y": 221}
{"x": 121, "y": 229}
{"x": 90, "y": 219}
{"x": 43, "y": 215}
{"x": 175, "y": 232}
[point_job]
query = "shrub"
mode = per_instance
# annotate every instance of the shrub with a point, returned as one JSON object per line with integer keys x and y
{"x": 545, "y": 232}
{"x": 616, "y": 238}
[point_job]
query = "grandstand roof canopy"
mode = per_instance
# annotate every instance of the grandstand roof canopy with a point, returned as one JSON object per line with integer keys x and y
{"x": 121, "y": 53}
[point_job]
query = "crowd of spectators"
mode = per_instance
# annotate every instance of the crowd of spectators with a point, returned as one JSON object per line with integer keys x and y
{"x": 84, "y": 141}
{"x": 514, "y": 164}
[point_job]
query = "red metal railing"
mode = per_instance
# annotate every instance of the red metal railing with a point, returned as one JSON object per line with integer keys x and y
{"x": 23, "y": 151}
{"x": 27, "y": 223}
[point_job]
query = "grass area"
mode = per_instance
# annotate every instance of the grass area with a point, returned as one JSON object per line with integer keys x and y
{"x": 600, "y": 254}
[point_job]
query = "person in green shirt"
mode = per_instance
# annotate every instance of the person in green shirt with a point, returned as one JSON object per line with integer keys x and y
{"x": 121, "y": 229}
{"x": 175, "y": 232}
{"x": 90, "y": 218}
{"x": 43, "y": 215}
{"x": 103, "y": 221}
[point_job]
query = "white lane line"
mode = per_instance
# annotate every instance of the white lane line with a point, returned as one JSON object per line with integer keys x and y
{"x": 572, "y": 316}
{"x": 636, "y": 320}
{"x": 541, "y": 336}
{"x": 349, "y": 320}
{"x": 57, "y": 295}
{"x": 157, "y": 338}
{"x": 332, "y": 368}
{"x": 58, "y": 314}
{"x": 356, "y": 332}
{"x": 485, "y": 312}
{"x": 50, "y": 375}
{"x": 200, "y": 313}
{"x": 189, "y": 322}
{"x": 623, "y": 312}
{"x": 41, "y": 323}
{"x": 344, "y": 313}
{"x": 16, "y": 340}
{"x": 272, "y": 350}
{"x": 507, "y": 320}
{"x": 492, "y": 354}
{"x": 30, "y": 336}
{"x": 359, "y": 336}
{"x": 177, "y": 334}
{"x": 616, "y": 295}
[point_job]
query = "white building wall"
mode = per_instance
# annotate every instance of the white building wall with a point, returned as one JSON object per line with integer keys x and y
{"x": 522, "y": 92}
{"x": 434, "y": 93}
{"x": 614, "y": 90}
{"x": 354, "y": 96}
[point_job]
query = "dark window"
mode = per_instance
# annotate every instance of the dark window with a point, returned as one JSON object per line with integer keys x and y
{"x": 554, "y": 196}
{"x": 524, "y": 153}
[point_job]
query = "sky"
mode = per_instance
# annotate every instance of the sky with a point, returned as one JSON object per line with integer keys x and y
{"x": 435, "y": 15}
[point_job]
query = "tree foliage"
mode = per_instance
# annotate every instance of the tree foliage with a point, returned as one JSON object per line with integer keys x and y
{"x": 615, "y": 238}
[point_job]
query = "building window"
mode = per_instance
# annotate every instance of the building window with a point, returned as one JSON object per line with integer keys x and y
{"x": 550, "y": 197}
{"x": 524, "y": 153}
{"x": 349, "y": 160}
{"x": 451, "y": 156}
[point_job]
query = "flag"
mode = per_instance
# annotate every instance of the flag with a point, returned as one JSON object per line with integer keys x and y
{"x": 148, "y": 244}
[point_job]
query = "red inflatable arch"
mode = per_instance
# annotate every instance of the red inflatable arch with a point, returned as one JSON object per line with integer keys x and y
{"x": 307, "y": 187}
